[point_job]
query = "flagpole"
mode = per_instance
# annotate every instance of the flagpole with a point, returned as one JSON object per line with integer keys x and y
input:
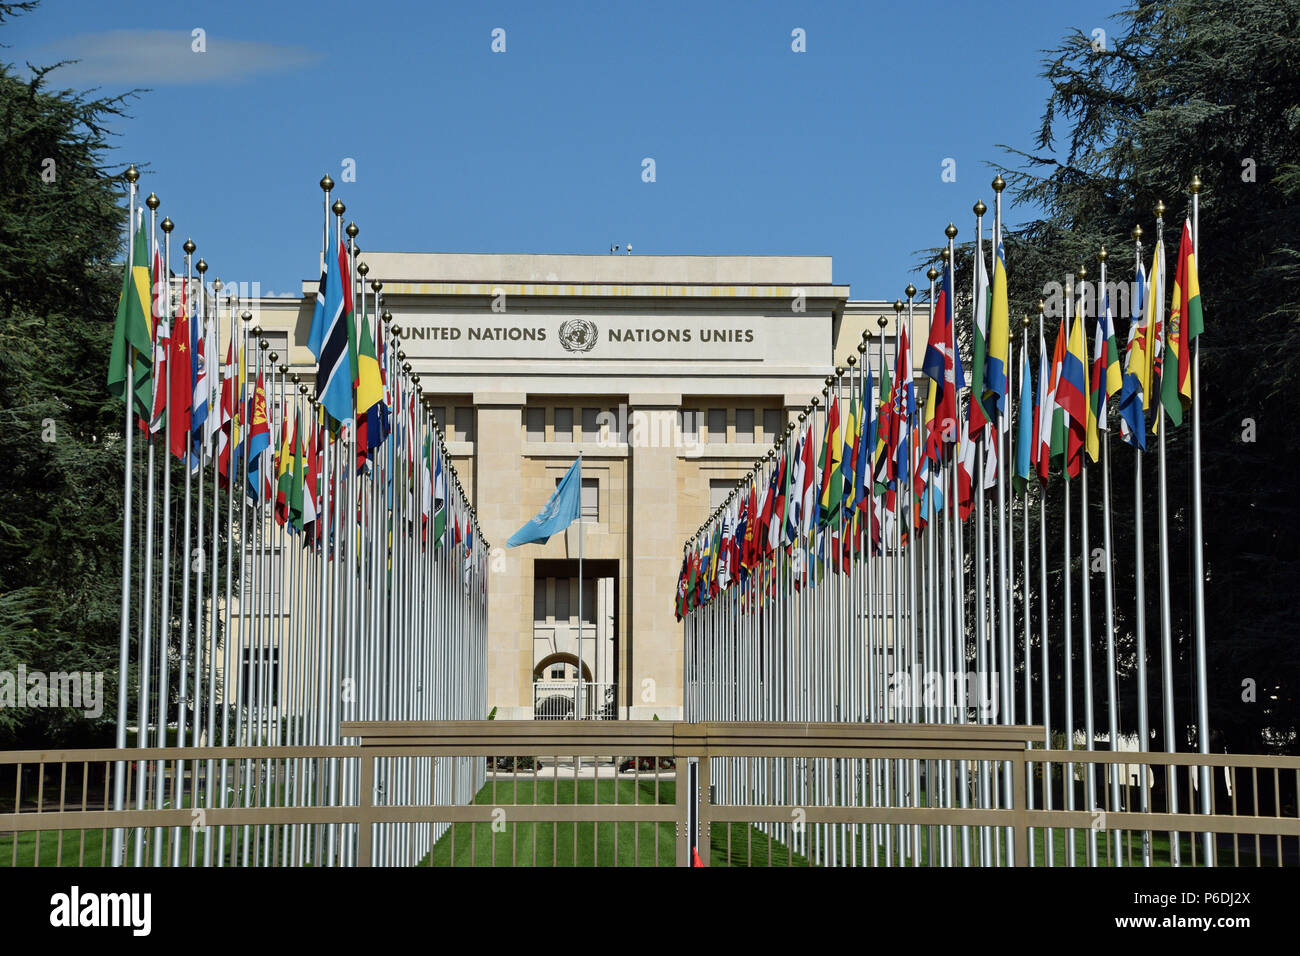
{"x": 146, "y": 617}
{"x": 1139, "y": 576}
{"x": 1027, "y": 382}
{"x": 1166, "y": 619}
{"x": 582, "y": 701}
{"x": 1049, "y": 847}
{"x": 178, "y": 783}
{"x": 1085, "y": 556}
{"x": 124, "y": 631}
{"x": 1112, "y": 678}
{"x": 1198, "y": 550}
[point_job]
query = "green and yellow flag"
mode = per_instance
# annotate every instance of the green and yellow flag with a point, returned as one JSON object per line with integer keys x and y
{"x": 132, "y": 350}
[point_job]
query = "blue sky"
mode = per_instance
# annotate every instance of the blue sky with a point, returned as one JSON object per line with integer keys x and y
{"x": 757, "y": 149}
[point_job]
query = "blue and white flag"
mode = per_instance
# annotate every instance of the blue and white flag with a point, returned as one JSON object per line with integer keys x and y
{"x": 561, "y": 510}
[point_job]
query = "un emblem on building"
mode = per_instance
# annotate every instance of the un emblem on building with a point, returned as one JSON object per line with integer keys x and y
{"x": 578, "y": 335}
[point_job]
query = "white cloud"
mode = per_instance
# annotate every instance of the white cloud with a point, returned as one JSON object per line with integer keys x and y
{"x": 162, "y": 57}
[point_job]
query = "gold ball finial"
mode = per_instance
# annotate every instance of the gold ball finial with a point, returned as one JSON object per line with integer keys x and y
{"x": 414, "y": 378}
{"x": 189, "y": 247}
{"x": 401, "y": 355}
{"x": 950, "y": 231}
{"x": 898, "y": 305}
{"x": 1160, "y": 209}
{"x": 830, "y": 380}
{"x": 910, "y": 291}
{"x": 216, "y": 285}
{"x": 882, "y": 322}
{"x": 1082, "y": 272}
{"x": 248, "y": 317}
{"x": 326, "y": 184}
{"x": 262, "y": 343}
{"x": 294, "y": 378}
{"x": 866, "y": 336}
{"x": 406, "y": 367}
{"x": 167, "y": 224}
{"x": 376, "y": 285}
{"x": 153, "y": 202}
{"x": 980, "y": 208}
{"x": 862, "y": 350}
{"x": 1024, "y": 321}
{"x": 388, "y": 317}
{"x": 932, "y": 273}
{"x": 1196, "y": 184}
{"x": 1103, "y": 255}
{"x": 1136, "y": 233}
{"x": 363, "y": 270}
{"x": 338, "y": 208}
{"x": 853, "y": 359}
{"x": 815, "y": 402}
{"x": 352, "y": 230}
{"x": 999, "y": 183}
{"x": 397, "y": 329}
{"x": 1041, "y": 306}
{"x": 201, "y": 266}
{"x": 132, "y": 174}
{"x": 803, "y": 417}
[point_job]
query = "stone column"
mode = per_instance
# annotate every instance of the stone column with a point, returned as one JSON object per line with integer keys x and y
{"x": 497, "y": 498}
{"x": 655, "y": 644}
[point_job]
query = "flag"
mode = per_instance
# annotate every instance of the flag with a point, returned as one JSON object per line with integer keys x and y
{"x": 776, "y": 526}
{"x": 679, "y": 604}
{"x": 162, "y": 345}
{"x": 370, "y": 387}
{"x": 561, "y": 510}
{"x": 1185, "y": 324}
{"x": 132, "y": 350}
{"x": 832, "y": 453}
{"x": 311, "y": 484}
{"x": 1071, "y": 394}
{"x": 1048, "y": 416}
{"x": 297, "y": 500}
{"x": 181, "y": 383}
{"x": 1132, "y": 400}
{"x": 200, "y": 356}
{"x": 334, "y": 317}
{"x": 225, "y": 433}
{"x": 1024, "y": 429}
{"x": 979, "y": 335}
{"x": 999, "y": 362}
{"x": 439, "y": 495}
{"x": 259, "y": 440}
{"x": 852, "y": 425}
{"x": 284, "y": 470}
{"x": 794, "y": 493}
{"x": 866, "y": 448}
{"x": 942, "y": 364}
{"x": 1155, "y": 330}
{"x": 966, "y": 470}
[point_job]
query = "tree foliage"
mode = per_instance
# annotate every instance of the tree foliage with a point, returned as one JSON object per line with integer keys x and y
{"x": 1187, "y": 88}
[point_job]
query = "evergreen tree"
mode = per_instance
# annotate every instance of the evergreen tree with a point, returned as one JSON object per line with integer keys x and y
{"x": 1188, "y": 87}
{"x": 61, "y": 225}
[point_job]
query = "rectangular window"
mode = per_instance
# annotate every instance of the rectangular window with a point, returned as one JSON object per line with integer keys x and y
{"x": 264, "y": 575}
{"x": 690, "y": 422}
{"x": 535, "y": 423}
{"x": 562, "y": 599}
{"x": 590, "y": 424}
{"x": 589, "y": 500}
{"x": 745, "y": 426}
{"x": 564, "y": 424}
{"x": 589, "y": 601}
{"x": 717, "y": 425}
{"x": 539, "y": 599}
{"x": 773, "y": 424}
{"x": 464, "y": 423}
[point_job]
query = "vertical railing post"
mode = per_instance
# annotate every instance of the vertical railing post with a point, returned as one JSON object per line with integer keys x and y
{"x": 1019, "y": 804}
{"x": 365, "y": 803}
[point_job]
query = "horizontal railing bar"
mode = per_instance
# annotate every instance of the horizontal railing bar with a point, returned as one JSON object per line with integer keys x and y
{"x": 1140, "y": 758}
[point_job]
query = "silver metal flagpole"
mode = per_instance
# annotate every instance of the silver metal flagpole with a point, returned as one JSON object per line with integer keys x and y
{"x": 146, "y": 617}
{"x": 1112, "y": 678}
{"x": 1139, "y": 574}
{"x": 1166, "y": 618}
{"x": 1027, "y": 382}
{"x": 124, "y": 631}
{"x": 164, "y": 296}
{"x": 1049, "y": 849}
{"x": 1198, "y": 552}
{"x": 1085, "y": 559}
{"x": 178, "y": 783}
{"x": 582, "y": 700}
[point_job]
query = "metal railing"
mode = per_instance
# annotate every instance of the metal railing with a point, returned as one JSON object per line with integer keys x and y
{"x": 623, "y": 793}
{"x": 562, "y": 700}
